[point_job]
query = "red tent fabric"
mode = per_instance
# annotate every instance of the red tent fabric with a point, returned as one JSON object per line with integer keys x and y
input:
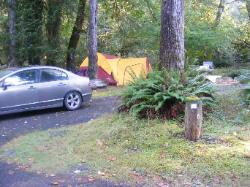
{"x": 101, "y": 74}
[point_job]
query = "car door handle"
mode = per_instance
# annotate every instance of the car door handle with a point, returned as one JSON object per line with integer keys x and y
{"x": 61, "y": 84}
{"x": 32, "y": 88}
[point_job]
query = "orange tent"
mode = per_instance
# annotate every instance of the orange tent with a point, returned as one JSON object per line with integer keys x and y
{"x": 119, "y": 71}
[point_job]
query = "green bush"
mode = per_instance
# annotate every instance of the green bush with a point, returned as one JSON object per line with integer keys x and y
{"x": 163, "y": 94}
{"x": 246, "y": 94}
{"x": 245, "y": 79}
{"x": 244, "y": 76}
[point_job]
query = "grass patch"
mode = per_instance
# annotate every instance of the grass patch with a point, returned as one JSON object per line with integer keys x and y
{"x": 232, "y": 71}
{"x": 124, "y": 148}
{"x": 107, "y": 92}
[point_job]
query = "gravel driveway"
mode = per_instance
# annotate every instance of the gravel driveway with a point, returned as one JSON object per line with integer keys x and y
{"x": 15, "y": 125}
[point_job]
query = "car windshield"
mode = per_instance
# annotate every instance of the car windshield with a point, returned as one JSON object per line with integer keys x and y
{"x": 5, "y": 72}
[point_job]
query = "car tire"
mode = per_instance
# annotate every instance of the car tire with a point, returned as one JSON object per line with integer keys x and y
{"x": 73, "y": 100}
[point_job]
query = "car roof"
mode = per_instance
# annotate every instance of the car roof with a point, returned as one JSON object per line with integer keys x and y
{"x": 38, "y": 67}
{"x": 17, "y": 69}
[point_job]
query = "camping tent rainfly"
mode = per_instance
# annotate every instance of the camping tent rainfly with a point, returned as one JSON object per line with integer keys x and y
{"x": 118, "y": 71}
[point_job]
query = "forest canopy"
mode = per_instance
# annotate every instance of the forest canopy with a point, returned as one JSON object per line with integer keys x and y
{"x": 216, "y": 30}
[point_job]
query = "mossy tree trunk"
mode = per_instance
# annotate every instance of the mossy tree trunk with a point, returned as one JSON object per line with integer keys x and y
{"x": 172, "y": 55}
{"x": 12, "y": 60}
{"x": 220, "y": 11}
{"x": 92, "y": 68}
{"x": 75, "y": 36}
{"x": 248, "y": 8}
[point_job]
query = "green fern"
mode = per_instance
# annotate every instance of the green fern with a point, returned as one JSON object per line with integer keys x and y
{"x": 163, "y": 91}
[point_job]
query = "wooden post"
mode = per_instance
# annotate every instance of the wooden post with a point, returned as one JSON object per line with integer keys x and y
{"x": 193, "y": 120}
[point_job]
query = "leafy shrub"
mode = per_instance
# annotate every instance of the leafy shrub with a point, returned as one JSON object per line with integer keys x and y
{"x": 164, "y": 94}
{"x": 242, "y": 44}
{"x": 244, "y": 76}
{"x": 246, "y": 94}
{"x": 245, "y": 79}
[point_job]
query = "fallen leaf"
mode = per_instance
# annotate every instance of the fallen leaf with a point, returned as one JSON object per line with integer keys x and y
{"x": 100, "y": 143}
{"x": 247, "y": 155}
{"x": 77, "y": 171}
{"x": 91, "y": 179}
{"x": 55, "y": 183}
{"x": 11, "y": 172}
{"x": 162, "y": 184}
{"x": 101, "y": 173}
{"x": 137, "y": 178}
{"x": 112, "y": 158}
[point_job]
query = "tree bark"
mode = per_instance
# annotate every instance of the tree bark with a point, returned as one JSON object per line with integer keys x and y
{"x": 172, "y": 55}
{"x": 12, "y": 60}
{"x": 75, "y": 36}
{"x": 220, "y": 11}
{"x": 92, "y": 68}
{"x": 54, "y": 20}
{"x": 248, "y": 8}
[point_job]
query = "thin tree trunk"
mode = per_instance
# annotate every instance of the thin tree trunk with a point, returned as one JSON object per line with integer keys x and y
{"x": 248, "y": 8}
{"x": 12, "y": 61}
{"x": 220, "y": 11}
{"x": 172, "y": 55}
{"x": 54, "y": 20}
{"x": 92, "y": 69}
{"x": 75, "y": 36}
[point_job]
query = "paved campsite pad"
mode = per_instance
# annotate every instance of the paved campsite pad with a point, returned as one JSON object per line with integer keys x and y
{"x": 14, "y": 125}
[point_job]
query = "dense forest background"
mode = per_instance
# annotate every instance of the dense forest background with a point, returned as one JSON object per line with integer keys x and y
{"x": 216, "y": 30}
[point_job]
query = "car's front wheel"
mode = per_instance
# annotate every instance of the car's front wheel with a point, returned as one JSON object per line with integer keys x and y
{"x": 73, "y": 100}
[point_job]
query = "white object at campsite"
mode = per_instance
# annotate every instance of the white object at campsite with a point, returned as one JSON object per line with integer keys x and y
{"x": 213, "y": 78}
{"x": 204, "y": 68}
{"x": 97, "y": 83}
{"x": 210, "y": 64}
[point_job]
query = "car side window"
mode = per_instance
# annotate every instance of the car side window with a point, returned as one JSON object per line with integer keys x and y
{"x": 21, "y": 78}
{"x": 48, "y": 75}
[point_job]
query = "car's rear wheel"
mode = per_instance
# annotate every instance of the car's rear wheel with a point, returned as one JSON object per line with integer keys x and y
{"x": 73, "y": 100}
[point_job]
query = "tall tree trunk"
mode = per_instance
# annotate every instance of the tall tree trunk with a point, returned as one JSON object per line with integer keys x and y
{"x": 220, "y": 11}
{"x": 172, "y": 55}
{"x": 92, "y": 69}
{"x": 54, "y": 20}
{"x": 12, "y": 60}
{"x": 248, "y": 8}
{"x": 75, "y": 36}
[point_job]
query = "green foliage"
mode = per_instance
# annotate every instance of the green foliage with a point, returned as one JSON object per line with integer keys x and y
{"x": 204, "y": 41}
{"x": 245, "y": 78}
{"x": 163, "y": 94}
{"x": 242, "y": 44}
{"x": 130, "y": 28}
{"x": 30, "y": 16}
{"x": 122, "y": 146}
{"x": 246, "y": 94}
{"x": 126, "y": 28}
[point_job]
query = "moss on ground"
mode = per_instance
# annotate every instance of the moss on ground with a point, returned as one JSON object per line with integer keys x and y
{"x": 150, "y": 152}
{"x": 107, "y": 92}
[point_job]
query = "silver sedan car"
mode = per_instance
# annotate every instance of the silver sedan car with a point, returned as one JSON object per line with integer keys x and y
{"x": 40, "y": 87}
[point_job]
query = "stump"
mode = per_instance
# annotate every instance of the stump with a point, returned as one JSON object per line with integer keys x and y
{"x": 193, "y": 120}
